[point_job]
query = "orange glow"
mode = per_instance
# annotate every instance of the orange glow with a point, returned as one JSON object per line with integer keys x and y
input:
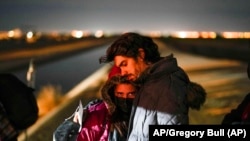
{"x": 30, "y": 37}
{"x": 155, "y": 34}
{"x": 208, "y": 34}
{"x": 15, "y": 33}
{"x": 232, "y": 35}
{"x": 77, "y": 34}
{"x": 247, "y": 34}
{"x": 99, "y": 33}
{"x": 186, "y": 34}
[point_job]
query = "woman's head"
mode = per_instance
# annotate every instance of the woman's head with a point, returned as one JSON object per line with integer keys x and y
{"x": 119, "y": 92}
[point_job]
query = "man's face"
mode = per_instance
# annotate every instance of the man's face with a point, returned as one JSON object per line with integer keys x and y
{"x": 129, "y": 66}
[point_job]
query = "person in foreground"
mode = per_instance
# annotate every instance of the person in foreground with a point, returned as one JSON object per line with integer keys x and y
{"x": 241, "y": 114}
{"x": 18, "y": 107}
{"x": 166, "y": 93}
{"x": 108, "y": 120}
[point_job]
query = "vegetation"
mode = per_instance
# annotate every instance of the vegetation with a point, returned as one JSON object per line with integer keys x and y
{"x": 48, "y": 97}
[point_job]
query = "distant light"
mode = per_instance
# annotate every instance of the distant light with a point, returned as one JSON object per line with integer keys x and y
{"x": 212, "y": 35}
{"x": 182, "y": 34}
{"x": 186, "y": 34}
{"x": 247, "y": 34}
{"x": 206, "y": 34}
{"x": 86, "y": 33}
{"x": 77, "y": 33}
{"x": 11, "y": 34}
{"x": 15, "y": 33}
{"x": 29, "y": 35}
{"x": 155, "y": 34}
{"x": 99, "y": 33}
{"x": 231, "y": 35}
{"x": 30, "y": 38}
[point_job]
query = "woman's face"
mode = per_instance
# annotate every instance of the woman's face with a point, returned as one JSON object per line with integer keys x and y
{"x": 125, "y": 91}
{"x": 124, "y": 96}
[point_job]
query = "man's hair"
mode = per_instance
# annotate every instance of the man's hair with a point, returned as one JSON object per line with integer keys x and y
{"x": 128, "y": 45}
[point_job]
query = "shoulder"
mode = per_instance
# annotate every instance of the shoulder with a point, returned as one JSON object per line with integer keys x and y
{"x": 247, "y": 97}
{"x": 244, "y": 102}
{"x": 97, "y": 106}
{"x": 96, "y": 115}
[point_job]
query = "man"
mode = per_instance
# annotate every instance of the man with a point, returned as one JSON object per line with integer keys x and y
{"x": 166, "y": 92}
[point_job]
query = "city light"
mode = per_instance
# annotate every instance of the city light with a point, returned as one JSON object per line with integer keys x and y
{"x": 77, "y": 34}
{"x": 234, "y": 35}
{"x": 15, "y": 33}
{"x": 99, "y": 33}
{"x": 31, "y": 36}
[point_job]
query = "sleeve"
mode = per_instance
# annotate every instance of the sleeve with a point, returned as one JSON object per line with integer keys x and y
{"x": 95, "y": 126}
{"x": 87, "y": 134}
{"x": 236, "y": 114}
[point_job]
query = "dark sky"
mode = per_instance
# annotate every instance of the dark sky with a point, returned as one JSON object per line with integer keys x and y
{"x": 126, "y": 15}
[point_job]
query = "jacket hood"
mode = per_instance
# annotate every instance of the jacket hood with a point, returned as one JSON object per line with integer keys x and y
{"x": 196, "y": 94}
{"x": 166, "y": 65}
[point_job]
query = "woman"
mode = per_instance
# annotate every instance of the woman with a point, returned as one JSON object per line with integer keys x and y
{"x": 108, "y": 120}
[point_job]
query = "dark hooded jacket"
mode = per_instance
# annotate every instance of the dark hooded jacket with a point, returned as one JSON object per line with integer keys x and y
{"x": 164, "y": 98}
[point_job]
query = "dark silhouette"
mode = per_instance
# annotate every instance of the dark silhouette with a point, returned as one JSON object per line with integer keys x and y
{"x": 241, "y": 114}
{"x": 19, "y": 108}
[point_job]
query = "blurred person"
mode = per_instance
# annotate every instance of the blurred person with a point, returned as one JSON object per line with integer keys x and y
{"x": 241, "y": 114}
{"x": 108, "y": 120}
{"x": 166, "y": 93}
{"x": 7, "y": 129}
{"x": 18, "y": 107}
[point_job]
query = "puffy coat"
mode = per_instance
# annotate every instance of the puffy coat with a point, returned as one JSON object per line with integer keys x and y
{"x": 96, "y": 125}
{"x": 164, "y": 98}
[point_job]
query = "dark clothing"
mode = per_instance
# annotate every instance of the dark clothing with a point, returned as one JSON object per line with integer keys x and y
{"x": 7, "y": 130}
{"x": 18, "y": 110}
{"x": 240, "y": 115}
{"x": 162, "y": 99}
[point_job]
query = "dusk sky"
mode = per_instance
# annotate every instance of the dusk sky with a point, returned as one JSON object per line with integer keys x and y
{"x": 125, "y": 15}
